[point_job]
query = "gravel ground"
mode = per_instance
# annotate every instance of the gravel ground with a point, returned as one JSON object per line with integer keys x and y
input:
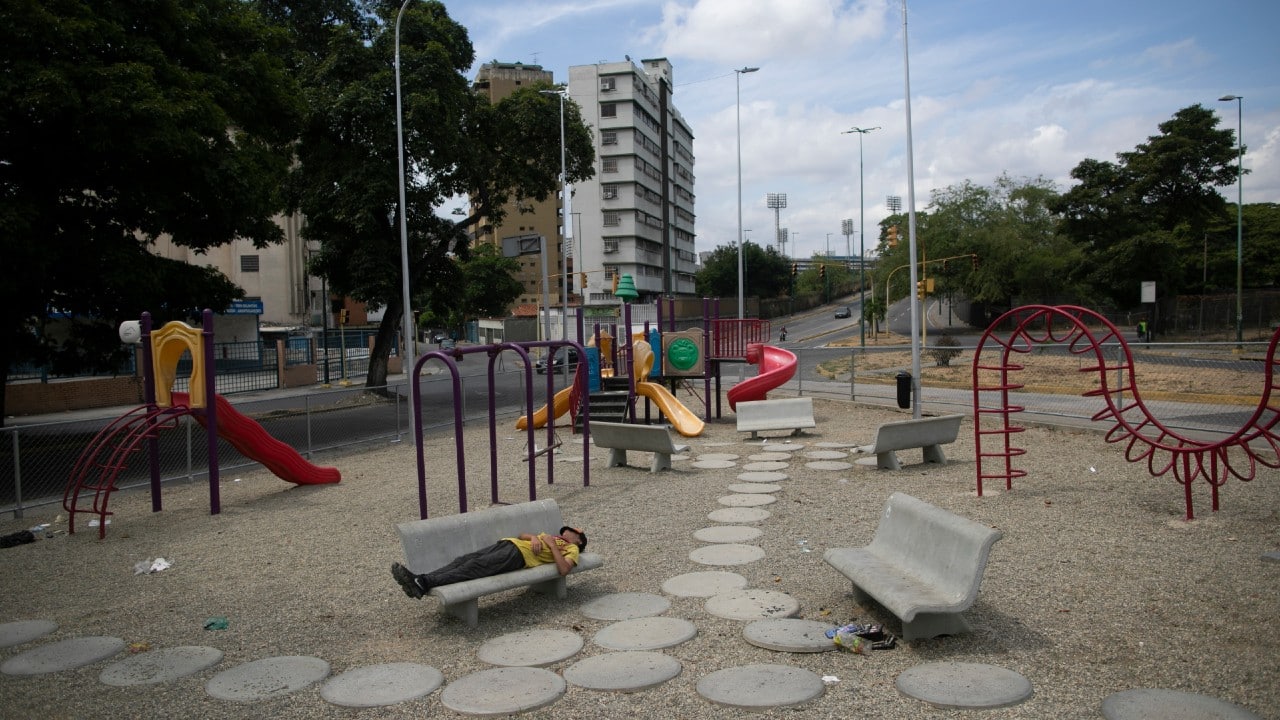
{"x": 1098, "y": 586}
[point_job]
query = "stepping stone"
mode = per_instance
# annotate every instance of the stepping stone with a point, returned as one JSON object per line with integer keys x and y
{"x": 740, "y": 500}
{"x": 775, "y": 446}
{"x": 62, "y": 655}
{"x": 703, "y": 584}
{"x": 826, "y": 454}
{"x": 768, "y": 456}
{"x": 835, "y": 445}
{"x": 718, "y": 456}
{"x": 1142, "y": 703}
{"x": 503, "y": 691}
{"x": 380, "y": 685}
{"x": 1273, "y": 556}
{"x": 965, "y": 685}
{"x": 756, "y": 687}
{"x": 764, "y": 477}
{"x": 267, "y": 678}
{"x": 738, "y": 515}
{"x": 714, "y": 464}
{"x": 24, "y": 631}
{"x": 157, "y": 666}
{"x": 624, "y": 606}
{"x": 530, "y": 648}
{"x": 728, "y": 534}
{"x": 764, "y": 466}
{"x": 650, "y": 633}
{"x": 726, "y": 554}
{"x": 623, "y": 671}
{"x": 718, "y": 444}
{"x": 828, "y": 465}
{"x": 790, "y": 635}
{"x": 749, "y": 488}
{"x": 753, "y": 604}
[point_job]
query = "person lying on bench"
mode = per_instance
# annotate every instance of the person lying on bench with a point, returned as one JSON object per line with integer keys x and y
{"x": 506, "y": 555}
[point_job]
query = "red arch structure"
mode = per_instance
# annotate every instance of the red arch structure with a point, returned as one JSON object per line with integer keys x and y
{"x": 1146, "y": 439}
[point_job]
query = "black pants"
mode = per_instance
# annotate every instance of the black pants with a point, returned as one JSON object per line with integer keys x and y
{"x": 500, "y": 557}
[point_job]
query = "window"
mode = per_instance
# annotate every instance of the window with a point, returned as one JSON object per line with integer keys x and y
{"x": 608, "y": 110}
{"x": 612, "y": 219}
{"x": 608, "y": 137}
{"x": 610, "y": 246}
{"x": 610, "y": 192}
{"x": 249, "y": 263}
{"x": 607, "y": 84}
{"x": 609, "y": 165}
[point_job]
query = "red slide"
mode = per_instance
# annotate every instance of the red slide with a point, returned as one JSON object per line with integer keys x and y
{"x": 776, "y": 367}
{"x": 255, "y": 443}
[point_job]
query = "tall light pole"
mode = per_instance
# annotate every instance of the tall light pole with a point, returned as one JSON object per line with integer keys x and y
{"x": 1239, "y": 212}
{"x": 862, "y": 231}
{"x": 916, "y": 319}
{"x": 566, "y": 225}
{"x": 737, "y": 89}
{"x": 408, "y": 351}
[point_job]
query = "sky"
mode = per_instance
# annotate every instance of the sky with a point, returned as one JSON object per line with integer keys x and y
{"x": 1017, "y": 87}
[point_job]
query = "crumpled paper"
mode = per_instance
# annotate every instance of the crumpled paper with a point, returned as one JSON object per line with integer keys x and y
{"x": 146, "y": 567}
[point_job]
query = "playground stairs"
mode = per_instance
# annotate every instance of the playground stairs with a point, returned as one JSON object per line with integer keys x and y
{"x": 610, "y": 403}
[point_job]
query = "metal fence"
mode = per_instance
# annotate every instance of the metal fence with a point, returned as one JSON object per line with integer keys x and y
{"x": 1196, "y": 387}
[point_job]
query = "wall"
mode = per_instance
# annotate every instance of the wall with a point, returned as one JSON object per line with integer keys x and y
{"x": 80, "y": 394}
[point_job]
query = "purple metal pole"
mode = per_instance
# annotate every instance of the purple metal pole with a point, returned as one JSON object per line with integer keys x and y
{"x": 149, "y": 395}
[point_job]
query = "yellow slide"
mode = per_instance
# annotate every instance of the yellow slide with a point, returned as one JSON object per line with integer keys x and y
{"x": 559, "y": 406}
{"x": 681, "y": 418}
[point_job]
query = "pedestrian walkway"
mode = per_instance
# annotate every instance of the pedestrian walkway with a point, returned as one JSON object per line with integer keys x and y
{"x": 521, "y": 679}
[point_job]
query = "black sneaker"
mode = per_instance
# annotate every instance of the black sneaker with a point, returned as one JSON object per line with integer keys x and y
{"x": 407, "y": 580}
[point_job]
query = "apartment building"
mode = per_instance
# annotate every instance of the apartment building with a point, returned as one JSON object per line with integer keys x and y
{"x": 529, "y": 220}
{"x": 636, "y": 216}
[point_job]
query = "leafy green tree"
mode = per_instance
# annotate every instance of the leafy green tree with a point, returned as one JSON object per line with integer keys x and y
{"x": 456, "y": 143}
{"x": 1145, "y": 216}
{"x": 765, "y": 272}
{"x": 483, "y": 285}
{"x": 121, "y": 122}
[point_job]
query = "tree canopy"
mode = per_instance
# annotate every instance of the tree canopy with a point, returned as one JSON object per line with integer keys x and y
{"x": 121, "y": 122}
{"x": 765, "y": 272}
{"x": 456, "y": 143}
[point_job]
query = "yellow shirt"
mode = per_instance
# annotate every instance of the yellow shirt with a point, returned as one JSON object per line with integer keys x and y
{"x": 568, "y": 550}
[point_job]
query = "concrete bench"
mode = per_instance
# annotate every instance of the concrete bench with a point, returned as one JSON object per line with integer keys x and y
{"x": 621, "y": 437}
{"x": 433, "y": 543}
{"x": 924, "y": 565}
{"x": 929, "y": 433}
{"x": 793, "y": 414}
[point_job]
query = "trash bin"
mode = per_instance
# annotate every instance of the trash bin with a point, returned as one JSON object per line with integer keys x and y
{"x": 904, "y": 389}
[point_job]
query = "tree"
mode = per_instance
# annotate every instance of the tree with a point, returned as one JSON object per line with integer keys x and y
{"x": 765, "y": 273}
{"x": 482, "y": 286}
{"x": 121, "y": 122}
{"x": 1145, "y": 216}
{"x": 456, "y": 143}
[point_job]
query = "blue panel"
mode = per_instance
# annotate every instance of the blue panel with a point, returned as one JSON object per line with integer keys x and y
{"x": 593, "y": 369}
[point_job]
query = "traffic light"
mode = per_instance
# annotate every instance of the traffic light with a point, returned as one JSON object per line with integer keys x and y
{"x": 343, "y": 316}
{"x": 616, "y": 276}
{"x": 822, "y": 272}
{"x": 893, "y": 236}
{"x": 795, "y": 268}
{"x": 974, "y": 258}
{"x": 920, "y": 289}
{"x": 582, "y": 280}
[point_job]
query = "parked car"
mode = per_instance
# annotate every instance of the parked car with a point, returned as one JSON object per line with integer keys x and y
{"x": 558, "y": 363}
{"x": 843, "y": 312}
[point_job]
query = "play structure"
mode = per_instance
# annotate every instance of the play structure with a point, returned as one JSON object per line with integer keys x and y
{"x": 1145, "y": 438}
{"x": 777, "y": 366}
{"x": 635, "y": 374}
{"x": 93, "y": 477}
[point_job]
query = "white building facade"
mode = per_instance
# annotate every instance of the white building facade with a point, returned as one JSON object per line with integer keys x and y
{"x": 636, "y": 216}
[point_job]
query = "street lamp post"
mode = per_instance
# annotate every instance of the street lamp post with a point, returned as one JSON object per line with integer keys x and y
{"x": 407, "y": 352}
{"x": 862, "y": 229}
{"x": 1239, "y": 99}
{"x": 737, "y": 87}
{"x": 566, "y": 225}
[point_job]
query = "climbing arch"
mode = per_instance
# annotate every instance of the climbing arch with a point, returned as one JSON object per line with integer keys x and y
{"x": 1087, "y": 334}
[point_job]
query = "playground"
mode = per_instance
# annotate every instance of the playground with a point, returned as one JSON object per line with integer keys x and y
{"x": 1098, "y": 586}
{"x": 1101, "y": 585}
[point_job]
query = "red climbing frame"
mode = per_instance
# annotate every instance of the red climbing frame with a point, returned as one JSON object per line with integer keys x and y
{"x": 1145, "y": 437}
